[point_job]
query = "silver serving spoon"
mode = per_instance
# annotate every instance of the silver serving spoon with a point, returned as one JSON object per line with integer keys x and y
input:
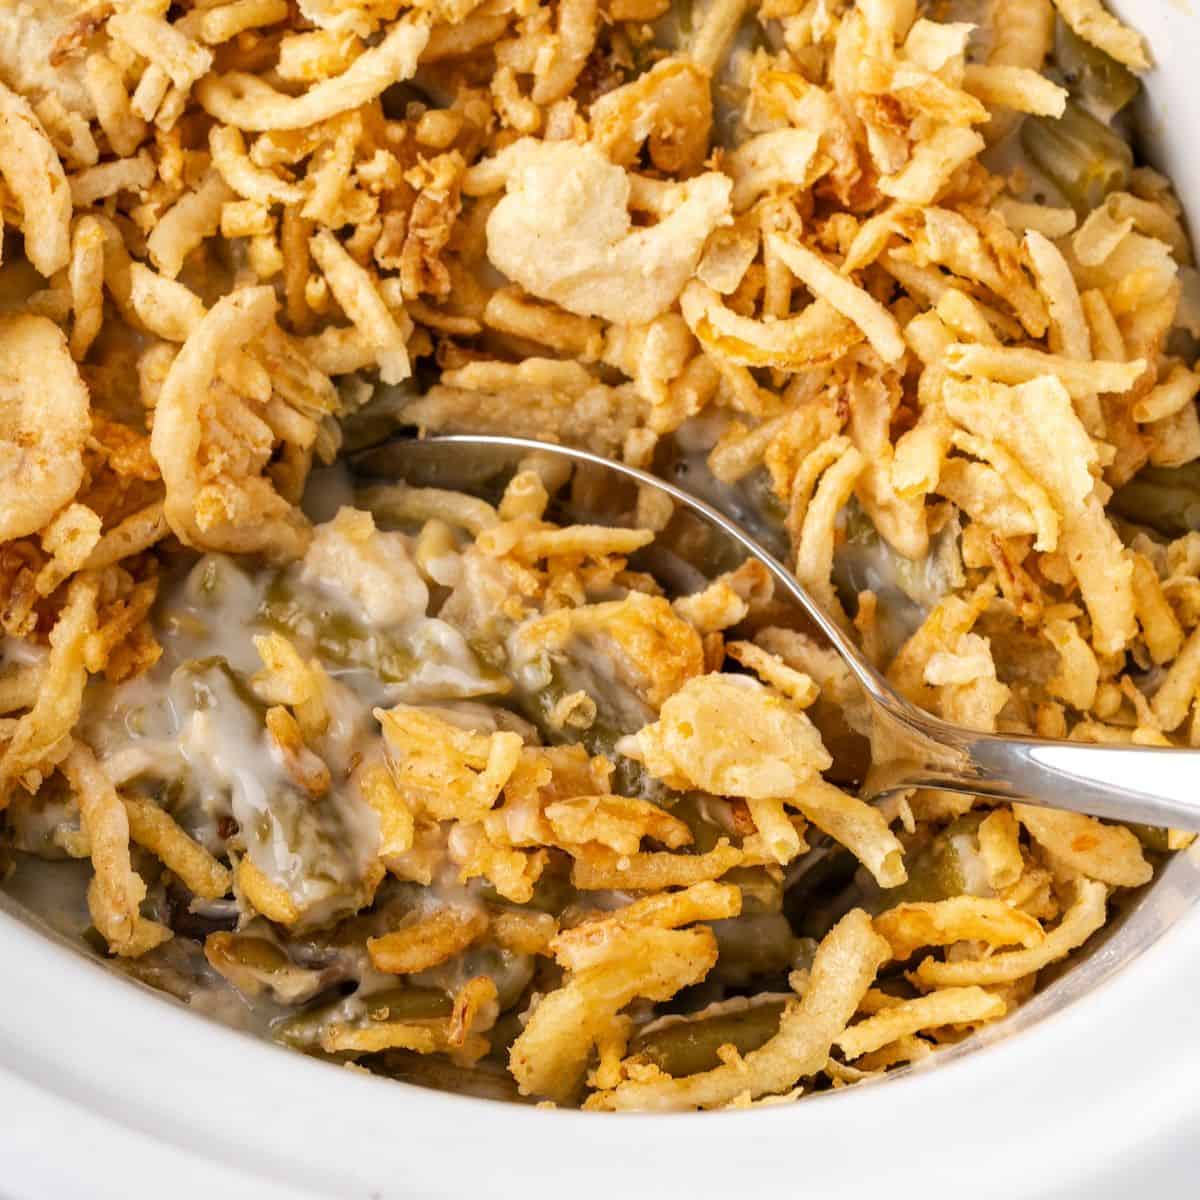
{"x": 1148, "y": 785}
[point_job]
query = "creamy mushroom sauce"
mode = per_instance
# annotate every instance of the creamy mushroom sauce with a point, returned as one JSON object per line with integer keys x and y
{"x": 191, "y": 734}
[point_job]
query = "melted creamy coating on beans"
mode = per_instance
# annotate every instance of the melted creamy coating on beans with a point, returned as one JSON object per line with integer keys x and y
{"x": 470, "y": 791}
{"x": 192, "y": 735}
{"x": 195, "y": 721}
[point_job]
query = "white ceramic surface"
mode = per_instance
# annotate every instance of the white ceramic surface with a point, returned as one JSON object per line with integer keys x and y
{"x": 107, "y": 1090}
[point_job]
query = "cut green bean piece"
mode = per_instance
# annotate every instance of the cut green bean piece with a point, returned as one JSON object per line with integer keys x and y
{"x": 552, "y": 892}
{"x": 1100, "y": 83}
{"x": 1166, "y": 499}
{"x": 935, "y": 875}
{"x": 697, "y": 812}
{"x": 304, "y": 1030}
{"x": 377, "y": 421}
{"x": 688, "y": 1047}
{"x": 1153, "y": 837}
{"x": 215, "y": 580}
{"x": 1080, "y": 154}
{"x": 485, "y": 1081}
{"x": 243, "y": 950}
{"x": 336, "y": 637}
{"x": 761, "y": 888}
{"x": 752, "y": 946}
{"x": 937, "y": 872}
{"x": 407, "y": 1004}
{"x": 907, "y": 589}
{"x": 618, "y": 713}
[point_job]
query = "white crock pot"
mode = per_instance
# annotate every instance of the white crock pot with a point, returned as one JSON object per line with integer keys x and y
{"x": 109, "y": 1090}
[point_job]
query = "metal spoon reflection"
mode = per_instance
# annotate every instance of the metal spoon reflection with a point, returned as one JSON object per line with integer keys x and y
{"x": 1143, "y": 784}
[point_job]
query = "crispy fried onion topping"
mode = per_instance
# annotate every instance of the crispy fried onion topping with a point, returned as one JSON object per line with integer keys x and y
{"x": 43, "y": 424}
{"x": 212, "y": 445}
{"x": 573, "y": 199}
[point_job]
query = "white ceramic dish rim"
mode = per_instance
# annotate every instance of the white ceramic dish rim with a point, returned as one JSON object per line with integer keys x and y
{"x": 107, "y": 1089}
{"x": 151, "y": 1093}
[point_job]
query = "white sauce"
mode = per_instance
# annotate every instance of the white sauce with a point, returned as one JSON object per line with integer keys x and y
{"x": 192, "y": 731}
{"x": 370, "y": 572}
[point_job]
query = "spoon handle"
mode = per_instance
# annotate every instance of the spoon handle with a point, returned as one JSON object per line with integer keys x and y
{"x": 1149, "y": 785}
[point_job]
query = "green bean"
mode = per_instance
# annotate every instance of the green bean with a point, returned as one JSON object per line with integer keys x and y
{"x": 751, "y": 501}
{"x": 213, "y": 577}
{"x": 752, "y": 946}
{"x": 508, "y": 970}
{"x": 1080, "y": 154}
{"x": 935, "y": 875}
{"x": 211, "y": 684}
{"x": 337, "y": 637}
{"x": 509, "y": 1026}
{"x": 407, "y": 1004}
{"x": 823, "y": 892}
{"x": 552, "y": 892}
{"x": 937, "y": 872}
{"x": 243, "y": 950}
{"x": 612, "y": 722}
{"x": 94, "y": 940}
{"x": 907, "y": 589}
{"x": 151, "y": 970}
{"x": 761, "y": 888}
{"x": 1166, "y": 499}
{"x": 486, "y": 1081}
{"x": 690, "y": 1046}
{"x": 691, "y": 540}
{"x": 304, "y": 1030}
{"x": 695, "y": 810}
{"x": 253, "y": 964}
{"x": 1100, "y": 83}
{"x": 602, "y": 735}
{"x": 1153, "y": 837}
{"x": 378, "y": 420}
{"x": 865, "y": 560}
